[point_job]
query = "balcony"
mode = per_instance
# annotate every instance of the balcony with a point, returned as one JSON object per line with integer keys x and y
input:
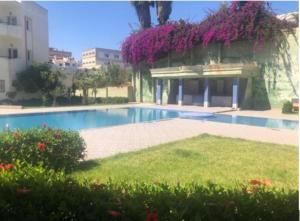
{"x": 9, "y": 30}
{"x": 11, "y": 66}
{"x": 201, "y": 71}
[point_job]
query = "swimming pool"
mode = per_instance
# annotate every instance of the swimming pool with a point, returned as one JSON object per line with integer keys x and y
{"x": 78, "y": 120}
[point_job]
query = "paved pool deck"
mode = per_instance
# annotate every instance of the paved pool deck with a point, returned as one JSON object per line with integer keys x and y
{"x": 104, "y": 142}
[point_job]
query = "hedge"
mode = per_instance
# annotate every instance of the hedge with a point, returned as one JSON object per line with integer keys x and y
{"x": 54, "y": 148}
{"x": 64, "y": 101}
{"x": 287, "y": 107}
{"x": 34, "y": 193}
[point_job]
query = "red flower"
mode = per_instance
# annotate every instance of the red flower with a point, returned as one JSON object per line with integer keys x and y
{"x": 255, "y": 182}
{"x": 264, "y": 182}
{"x": 45, "y": 125}
{"x": 9, "y": 166}
{"x": 22, "y": 191}
{"x": 6, "y": 166}
{"x": 16, "y": 135}
{"x": 57, "y": 135}
{"x": 41, "y": 146}
{"x": 151, "y": 216}
{"x": 114, "y": 213}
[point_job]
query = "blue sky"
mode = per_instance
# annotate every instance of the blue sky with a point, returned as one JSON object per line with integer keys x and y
{"x": 75, "y": 26}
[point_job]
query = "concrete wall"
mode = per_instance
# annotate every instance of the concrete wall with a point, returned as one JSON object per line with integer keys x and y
{"x": 279, "y": 72}
{"x": 111, "y": 92}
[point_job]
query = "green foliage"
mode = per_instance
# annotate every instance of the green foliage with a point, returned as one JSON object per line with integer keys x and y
{"x": 11, "y": 94}
{"x": 33, "y": 193}
{"x": 57, "y": 149}
{"x": 115, "y": 75}
{"x": 287, "y": 107}
{"x": 65, "y": 101}
{"x": 40, "y": 78}
{"x": 112, "y": 100}
{"x": 86, "y": 79}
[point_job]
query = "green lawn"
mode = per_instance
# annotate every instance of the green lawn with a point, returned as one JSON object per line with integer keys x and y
{"x": 202, "y": 159}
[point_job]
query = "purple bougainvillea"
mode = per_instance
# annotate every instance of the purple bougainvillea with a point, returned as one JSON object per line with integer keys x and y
{"x": 248, "y": 21}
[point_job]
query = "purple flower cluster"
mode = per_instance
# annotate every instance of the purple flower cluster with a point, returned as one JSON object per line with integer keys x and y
{"x": 250, "y": 21}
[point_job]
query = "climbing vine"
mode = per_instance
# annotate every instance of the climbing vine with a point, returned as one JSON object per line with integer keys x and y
{"x": 253, "y": 20}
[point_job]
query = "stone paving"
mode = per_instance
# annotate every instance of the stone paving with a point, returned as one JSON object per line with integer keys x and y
{"x": 105, "y": 142}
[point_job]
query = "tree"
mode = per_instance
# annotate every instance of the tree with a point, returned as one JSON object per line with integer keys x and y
{"x": 115, "y": 75}
{"x": 39, "y": 78}
{"x": 112, "y": 75}
{"x": 60, "y": 89}
{"x": 163, "y": 11}
{"x": 84, "y": 80}
{"x": 142, "y": 9}
{"x": 99, "y": 81}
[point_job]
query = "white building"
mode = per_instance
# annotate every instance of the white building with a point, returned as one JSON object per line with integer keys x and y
{"x": 62, "y": 58}
{"x": 98, "y": 57}
{"x": 23, "y": 39}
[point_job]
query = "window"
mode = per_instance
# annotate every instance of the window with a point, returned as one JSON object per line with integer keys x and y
{"x": 12, "y": 53}
{"x": 11, "y": 20}
{"x": 117, "y": 56}
{"x": 28, "y": 55}
{"x": 106, "y": 55}
{"x": 2, "y": 86}
{"x": 27, "y": 25}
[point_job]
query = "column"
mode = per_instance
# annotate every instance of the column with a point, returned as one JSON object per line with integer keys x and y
{"x": 158, "y": 91}
{"x": 180, "y": 92}
{"x": 235, "y": 93}
{"x": 206, "y": 93}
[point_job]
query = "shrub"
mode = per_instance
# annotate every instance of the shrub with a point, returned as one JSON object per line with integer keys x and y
{"x": 57, "y": 149}
{"x": 7, "y": 102}
{"x": 112, "y": 100}
{"x": 287, "y": 107}
{"x": 65, "y": 101}
{"x": 34, "y": 193}
{"x": 11, "y": 94}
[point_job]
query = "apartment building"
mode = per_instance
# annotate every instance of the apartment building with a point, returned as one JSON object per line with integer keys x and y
{"x": 99, "y": 57}
{"x": 62, "y": 58}
{"x": 23, "y": 39}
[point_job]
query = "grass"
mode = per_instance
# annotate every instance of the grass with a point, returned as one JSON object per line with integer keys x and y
{"x": 225, "y": 161}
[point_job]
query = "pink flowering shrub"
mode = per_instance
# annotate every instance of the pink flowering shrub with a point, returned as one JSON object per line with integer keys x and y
{"x": 247, "y": 21}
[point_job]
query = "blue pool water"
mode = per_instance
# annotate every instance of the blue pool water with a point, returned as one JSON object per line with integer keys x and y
{"x": 78, "y": 120}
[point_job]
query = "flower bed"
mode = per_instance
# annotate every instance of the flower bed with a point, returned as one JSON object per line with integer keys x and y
{"x": 57, "y": 149}
{"x": 34, "y": 193}
{"x": 252, "y": 20}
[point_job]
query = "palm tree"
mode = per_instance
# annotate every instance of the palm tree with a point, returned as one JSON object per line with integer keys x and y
{"x": 142, "y": 9}
{"x": 163, "y": 11}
